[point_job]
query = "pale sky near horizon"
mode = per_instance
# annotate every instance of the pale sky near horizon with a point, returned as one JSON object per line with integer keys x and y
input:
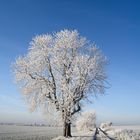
{"x": 113, "y": 24}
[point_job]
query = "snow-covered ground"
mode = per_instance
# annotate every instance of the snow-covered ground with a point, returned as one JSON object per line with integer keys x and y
{"x": 12, "y": 132}
{"x": 112, "y": 133}
{"x": 135, "y": 128}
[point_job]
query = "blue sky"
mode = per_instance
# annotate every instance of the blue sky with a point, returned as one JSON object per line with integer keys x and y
{"x": 113, "y": 24}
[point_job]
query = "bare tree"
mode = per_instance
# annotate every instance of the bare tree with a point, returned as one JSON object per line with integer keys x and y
{"x": 61, "y": 70}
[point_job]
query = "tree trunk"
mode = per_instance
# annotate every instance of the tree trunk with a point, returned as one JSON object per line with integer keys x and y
{"x": 67, "y": 130}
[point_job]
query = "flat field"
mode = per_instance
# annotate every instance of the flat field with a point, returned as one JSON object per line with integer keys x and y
{"x": 14, "y": 132}
{"x": 135, "y": 128}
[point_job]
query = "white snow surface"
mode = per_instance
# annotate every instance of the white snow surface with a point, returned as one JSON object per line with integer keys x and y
{"x": 115, "y": 132}
{"x": 13, "y": 132}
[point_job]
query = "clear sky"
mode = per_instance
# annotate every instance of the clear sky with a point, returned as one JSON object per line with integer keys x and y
{"x": 113, "y": 24}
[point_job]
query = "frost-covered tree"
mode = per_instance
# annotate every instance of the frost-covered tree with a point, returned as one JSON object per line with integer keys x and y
{"x": 87, "y": 121}
{"x": 61, "y": 70}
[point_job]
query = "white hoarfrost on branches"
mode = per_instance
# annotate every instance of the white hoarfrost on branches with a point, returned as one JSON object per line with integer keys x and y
{"x": 106, "y": 126}
{"x": 59, "y": 71}
{"x": 87, "y": 121}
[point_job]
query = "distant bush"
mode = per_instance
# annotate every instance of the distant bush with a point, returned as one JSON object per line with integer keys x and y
{"x": 86, "y": 122}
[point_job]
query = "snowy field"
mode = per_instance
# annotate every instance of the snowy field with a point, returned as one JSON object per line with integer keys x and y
{"x": 13, "y": 132}
{"x": 135, "y": 128}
